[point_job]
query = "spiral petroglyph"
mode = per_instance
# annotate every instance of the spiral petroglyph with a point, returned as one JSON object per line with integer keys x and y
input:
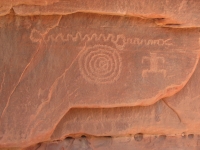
{"x": 100, "y": 64}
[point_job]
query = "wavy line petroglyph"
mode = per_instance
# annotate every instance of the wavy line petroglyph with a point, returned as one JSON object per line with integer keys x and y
{"x": 100, "y": 64}
{"x": 86, "y": 37}
{"x": 120, "y": 41}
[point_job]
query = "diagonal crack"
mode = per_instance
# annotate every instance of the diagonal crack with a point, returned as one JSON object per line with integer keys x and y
{"x": 20, "y": 78}
{"x": 1, "y": 86}
{"x": 172, "y": 110}
{"x": 27, "y": 66}
{"x": 53, "y": 86}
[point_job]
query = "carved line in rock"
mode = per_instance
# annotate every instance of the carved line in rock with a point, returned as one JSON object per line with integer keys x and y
{"x": 100, "y": 64}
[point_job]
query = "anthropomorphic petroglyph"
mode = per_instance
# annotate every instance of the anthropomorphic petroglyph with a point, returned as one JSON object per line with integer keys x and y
{"x": 153, "y": 60}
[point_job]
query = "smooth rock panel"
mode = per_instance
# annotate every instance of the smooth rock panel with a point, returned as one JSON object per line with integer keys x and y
{"x": 156, "y": 119}
{"x": 7, "y": 5}
{"x": 186, "y": 103}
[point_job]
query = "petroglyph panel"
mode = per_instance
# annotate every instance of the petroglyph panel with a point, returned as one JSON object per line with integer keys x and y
{"x": 179, "y": 113}
{"x": 85, "y": 60}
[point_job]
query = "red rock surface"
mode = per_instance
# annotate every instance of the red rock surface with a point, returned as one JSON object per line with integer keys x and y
{"x": 172, "y": 13}
{"x": 154, "y": 119}
{"x": 186, "y": 103}
{"x": 7, "y": 5}
{"x": 170, "y": 116}
{"x": 97, "y": 68}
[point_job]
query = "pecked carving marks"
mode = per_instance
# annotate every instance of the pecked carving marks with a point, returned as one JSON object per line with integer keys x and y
{"x": 120, "y": 41}
{"x": 100, "y": 64}
{"x": 153, "y": 59}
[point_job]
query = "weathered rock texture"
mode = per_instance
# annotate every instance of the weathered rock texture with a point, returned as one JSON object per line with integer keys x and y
{"x": 173, "y": 13}
{"x": 98, "y": 68}
{"x": 139, "y": 141}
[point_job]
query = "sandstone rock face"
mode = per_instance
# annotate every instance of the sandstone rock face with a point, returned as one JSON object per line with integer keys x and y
{"x": 97, "y": 72}
{"x": 86, "y": 66}
{"x": 172, "y": 13}
{"x": 186, "y": 103}
{"x": 7, "y": 5}
{"x": 155, "y": 119}
{"x": 174, "y": 115}
{"x": 139, "y": 141}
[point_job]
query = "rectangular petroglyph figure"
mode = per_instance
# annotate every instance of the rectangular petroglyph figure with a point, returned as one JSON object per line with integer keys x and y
{"x": 153, "y": 59}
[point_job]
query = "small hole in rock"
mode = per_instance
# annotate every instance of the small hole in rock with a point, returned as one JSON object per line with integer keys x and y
{"x": 68, "y": 138}
{"x": 162, "y": 137}
{"x": 108, "y": 136}
{"x": 138, "y": 136}
{"x": 190, "y": 136}
{"x": 83, "y": 136}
